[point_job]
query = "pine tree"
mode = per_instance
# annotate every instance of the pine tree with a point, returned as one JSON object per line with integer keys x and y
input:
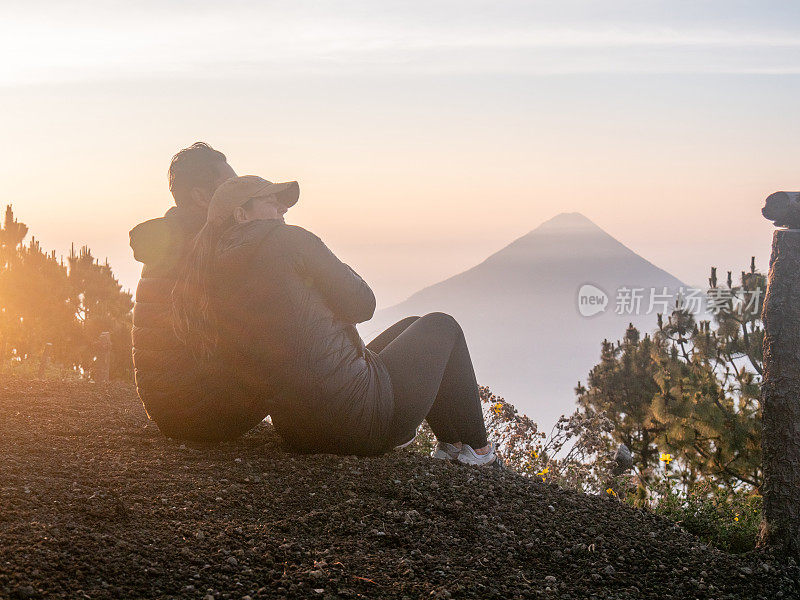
{"x": 43, "y": 300}
{"x": 622, "y": 387}
{"x": 691, "y": 391}
{"x": 99, "y": 304}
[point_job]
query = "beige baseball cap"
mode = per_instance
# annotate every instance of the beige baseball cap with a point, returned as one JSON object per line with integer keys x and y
{"x": 238, "y": 190}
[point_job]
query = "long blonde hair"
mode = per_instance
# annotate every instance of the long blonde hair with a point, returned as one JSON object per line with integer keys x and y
{"x": 193, "y": 317}
{"x": 192, "y": 312}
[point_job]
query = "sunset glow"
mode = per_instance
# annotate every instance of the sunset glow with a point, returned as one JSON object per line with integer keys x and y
{"x": 421, "y": 145}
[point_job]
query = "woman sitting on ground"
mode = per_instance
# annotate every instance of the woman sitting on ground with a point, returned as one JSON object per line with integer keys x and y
{"x": 271, "y": 311}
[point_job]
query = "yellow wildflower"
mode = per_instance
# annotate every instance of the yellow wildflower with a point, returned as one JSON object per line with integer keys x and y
{"x": 666, "y": 457}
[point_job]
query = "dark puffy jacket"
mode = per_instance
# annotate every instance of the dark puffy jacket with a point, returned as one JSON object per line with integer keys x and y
{"x": 186, "y": 401}
{"x": 166, "y": 378}
{"x": 288, "y": 308}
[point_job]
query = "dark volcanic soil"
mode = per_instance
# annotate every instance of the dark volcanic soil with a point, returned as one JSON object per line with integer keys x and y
{"x": 94, "y": 503}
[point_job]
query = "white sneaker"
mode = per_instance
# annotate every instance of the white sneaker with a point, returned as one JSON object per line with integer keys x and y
{"x": 468, "y": 456}
{"x": 445, "y": 451}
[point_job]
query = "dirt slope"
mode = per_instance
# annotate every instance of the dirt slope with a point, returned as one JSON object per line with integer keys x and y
{"x": 94, "y": 503}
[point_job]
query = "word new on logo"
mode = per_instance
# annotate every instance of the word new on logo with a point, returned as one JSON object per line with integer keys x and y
{"x": 591, "y": 300}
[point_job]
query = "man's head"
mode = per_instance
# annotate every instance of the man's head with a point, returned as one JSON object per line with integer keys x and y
{"x": 195, "y": 173}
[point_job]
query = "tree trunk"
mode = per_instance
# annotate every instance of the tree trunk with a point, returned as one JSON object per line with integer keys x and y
{"x": 44, "y": 362}
{"x": 780, "y": 397}
{"x": 102, "y": 363}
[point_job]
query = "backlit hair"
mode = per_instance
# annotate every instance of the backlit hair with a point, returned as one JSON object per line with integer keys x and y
{"x": 193, "y": 167}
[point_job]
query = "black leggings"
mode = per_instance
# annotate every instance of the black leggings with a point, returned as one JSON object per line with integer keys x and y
{"x": 433, "y": 379}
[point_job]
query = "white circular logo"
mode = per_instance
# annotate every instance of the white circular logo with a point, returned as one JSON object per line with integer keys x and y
{"x": 591, "y": 300}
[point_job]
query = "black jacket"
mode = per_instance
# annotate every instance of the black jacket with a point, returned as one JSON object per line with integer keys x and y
{"x": 166, "y": 378}
{"x": 288, "y": 308}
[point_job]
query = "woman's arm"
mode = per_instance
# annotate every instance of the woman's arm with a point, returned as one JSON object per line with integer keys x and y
{"x": 347, "y": 295}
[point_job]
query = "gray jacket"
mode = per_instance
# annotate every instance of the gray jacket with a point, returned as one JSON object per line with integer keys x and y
{"x": 288, "y": 308}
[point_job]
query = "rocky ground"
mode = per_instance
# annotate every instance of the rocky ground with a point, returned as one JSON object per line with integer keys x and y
{"x": 94, "y": 503}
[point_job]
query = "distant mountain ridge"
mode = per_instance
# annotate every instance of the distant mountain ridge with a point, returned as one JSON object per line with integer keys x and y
{"x": 519, "y": 310}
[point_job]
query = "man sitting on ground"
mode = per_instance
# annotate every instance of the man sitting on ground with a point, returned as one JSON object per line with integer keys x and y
{"x": 167, "y": 379}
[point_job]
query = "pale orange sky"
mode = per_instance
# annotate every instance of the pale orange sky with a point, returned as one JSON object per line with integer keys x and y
{"x": 423, "y": 140}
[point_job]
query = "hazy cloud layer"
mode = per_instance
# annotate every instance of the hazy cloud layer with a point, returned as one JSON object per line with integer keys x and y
{"x": 50, "y": 41}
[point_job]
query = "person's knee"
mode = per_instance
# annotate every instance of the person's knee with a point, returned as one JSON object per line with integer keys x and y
{"x": 443, "y": 319}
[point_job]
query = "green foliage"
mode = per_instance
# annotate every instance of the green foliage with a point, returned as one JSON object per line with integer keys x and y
{"x": 624, "y": 388}
{"x": 99, "y": 304}
{"x": 43, "y": 300}
{"x": 426, "y": 441}
{"x": 690, "y": 390}
{"x": 727, "y": 520}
